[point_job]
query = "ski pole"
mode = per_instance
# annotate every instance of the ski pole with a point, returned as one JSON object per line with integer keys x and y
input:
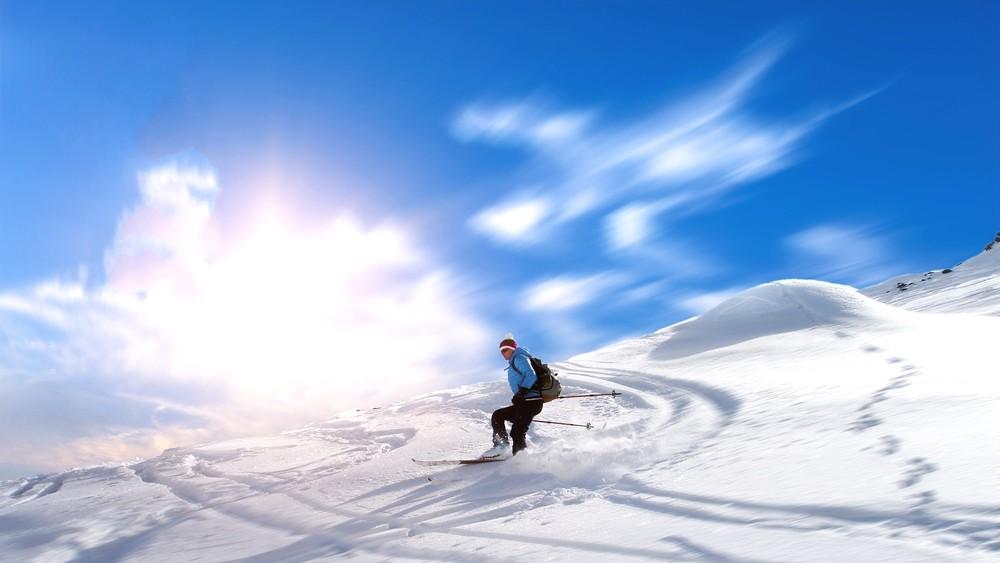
{"x": 611, "y": 394}
{"x": 588, "y": 426}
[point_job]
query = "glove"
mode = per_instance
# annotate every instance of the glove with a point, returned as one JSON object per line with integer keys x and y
{"x": 518, "y": 398}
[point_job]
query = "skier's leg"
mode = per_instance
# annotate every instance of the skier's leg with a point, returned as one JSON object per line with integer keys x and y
{"x": 523, "y": 416}
{"x": 498, "y": 420}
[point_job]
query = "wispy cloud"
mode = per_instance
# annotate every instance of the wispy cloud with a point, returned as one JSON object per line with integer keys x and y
{"x": 521, "y": 122}
{"x": 851, "y": 254}
{"x": 635, "y": 223}
{"x": 645, "y": 292}
{"x": 208, "y": 332}
{"x": 675, "y": 160}
{"x": 518, "y": 220}
{"x": 563, "y": 293}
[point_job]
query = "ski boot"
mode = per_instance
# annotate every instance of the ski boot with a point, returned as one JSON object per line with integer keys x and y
{"x": 500, "y": 449}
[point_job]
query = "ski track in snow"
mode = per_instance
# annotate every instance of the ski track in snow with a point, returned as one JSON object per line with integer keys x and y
{"x": 366, "y": 530}
{"x": 191, "y": 479}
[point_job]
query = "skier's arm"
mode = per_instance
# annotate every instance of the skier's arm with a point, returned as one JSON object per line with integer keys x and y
{"x": 528, "y": 377}
{"x": 513, "y": 379}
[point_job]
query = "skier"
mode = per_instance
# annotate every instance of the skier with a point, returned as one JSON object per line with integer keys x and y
{"x": 522, "y": 378}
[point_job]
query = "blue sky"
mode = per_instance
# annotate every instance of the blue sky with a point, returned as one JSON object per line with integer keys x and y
{"x": 574, "y": 172}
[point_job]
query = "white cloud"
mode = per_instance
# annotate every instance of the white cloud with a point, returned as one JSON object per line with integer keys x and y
{"x": 34, "y": 308}
{"x": 843, "y": 253}
{"x": 497, "y": 122}
{"x": 166, "y": 237}
{"x": 232, "y": 334}
{"x": 518, "y": 122}
{"x": 690, "y": 150}
{"x": 513, "y": 221}
{"x": 568, "y": 292}
{"x": 633, "y": 224}
{"x": 629, "y": 226}
{"x": 645, "y": 292}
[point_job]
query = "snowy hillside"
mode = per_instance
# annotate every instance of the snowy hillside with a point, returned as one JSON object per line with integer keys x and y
{"x": 797, "y": 421}
{"x": 971, "y": 287}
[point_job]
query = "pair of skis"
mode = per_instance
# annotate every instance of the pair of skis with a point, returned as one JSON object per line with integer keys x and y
{"x": 478, "y": 460}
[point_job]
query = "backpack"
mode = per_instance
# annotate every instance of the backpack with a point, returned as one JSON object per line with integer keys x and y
{"x": 547, "y": 383}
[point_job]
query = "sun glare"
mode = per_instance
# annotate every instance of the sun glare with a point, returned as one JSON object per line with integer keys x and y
{"x": 287, "y": 312}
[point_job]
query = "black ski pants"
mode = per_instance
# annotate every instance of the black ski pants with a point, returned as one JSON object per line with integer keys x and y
{"x": 520, "y": 414}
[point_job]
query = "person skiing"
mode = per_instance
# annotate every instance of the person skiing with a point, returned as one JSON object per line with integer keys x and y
{"x": 521, "y": 377}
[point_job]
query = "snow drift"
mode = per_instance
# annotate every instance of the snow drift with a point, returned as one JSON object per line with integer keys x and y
{"x": 772, "y": 308}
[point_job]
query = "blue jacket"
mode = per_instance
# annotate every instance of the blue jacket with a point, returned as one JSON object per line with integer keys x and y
{"x": 520, "y": 373}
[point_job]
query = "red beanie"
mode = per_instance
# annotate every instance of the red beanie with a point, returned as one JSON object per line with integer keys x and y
{"x": 508, "y": 343}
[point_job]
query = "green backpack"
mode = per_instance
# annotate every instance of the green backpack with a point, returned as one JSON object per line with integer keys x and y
{"x": 547, "y": 383}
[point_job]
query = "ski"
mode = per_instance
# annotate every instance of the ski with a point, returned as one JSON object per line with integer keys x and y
{"x": 457, "y": 461}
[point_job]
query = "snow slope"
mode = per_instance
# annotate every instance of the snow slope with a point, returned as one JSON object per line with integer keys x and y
{"x": 797, "y": 421}
{"x": 971, "y": 287}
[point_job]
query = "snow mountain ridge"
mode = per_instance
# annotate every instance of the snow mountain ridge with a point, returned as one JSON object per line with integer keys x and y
{"x": 971, "y": 287}
{"x": 796, "y": 421}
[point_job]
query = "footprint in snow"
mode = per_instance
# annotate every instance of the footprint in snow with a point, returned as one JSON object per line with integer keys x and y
{"x": 897, "y": 382}
{"x": 918, "y": 467}
{"x": 890, "y": 444}
{"x": 864, "y": 422}
{"x": 923, "y": 500}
